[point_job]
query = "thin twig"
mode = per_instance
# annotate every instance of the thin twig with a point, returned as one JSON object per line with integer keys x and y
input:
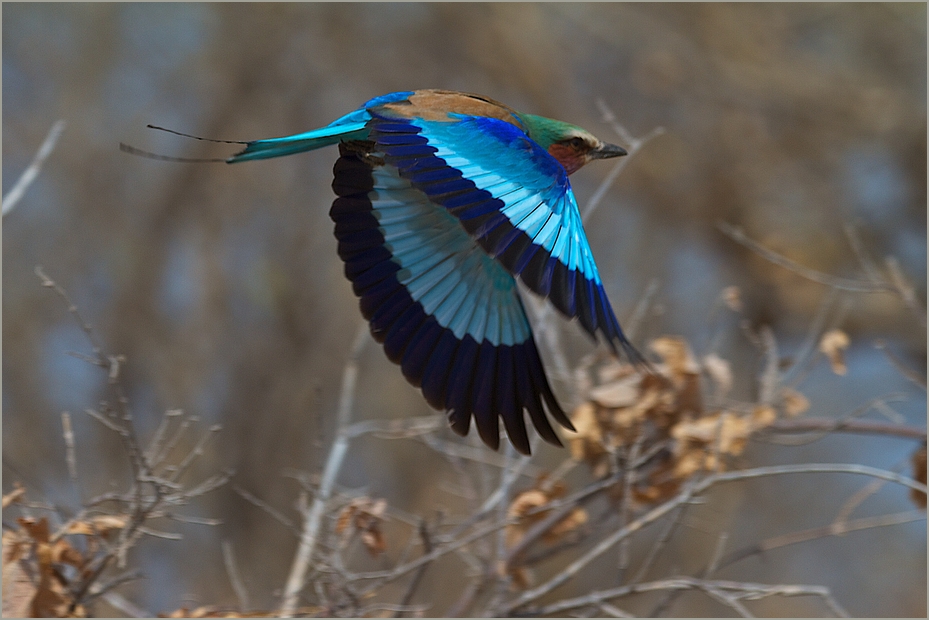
{"x": 826, "y": 426}
{"x": 418, "y": 575}
{"x": 861, "y": 286}
{"x": 770, "y": 375}
{"x": 464, "y": 602}
{"x": 103, "y": 589}
{"x": 905, "y": 289}
{"x": 734, "y": 589}
{"x": 197, "y": 451}
{"x": 454, "y": 545}
{"x": 70, "y": 453}
{"x": 833, "y": 529}
{"x": 73, "y": 311}
{"x": 633, "y": 145}
{"x": 909, "y": 374}
{"x": 29, "y": 174}
{"x": 314, "y": 515}
{"x": 660, "y": 542}
{"x": 260, "y": 503}
{"x": 155, "y": 444}
{"x": 634, "y": 322}
{"x": 807, "y": 352}
{"x": 685, "y": 496}
{"x": 126, "y": 606}
{"x": 234, "y": 578}
{"x": 613, "y": 610}
{"x": 169, "y": 445}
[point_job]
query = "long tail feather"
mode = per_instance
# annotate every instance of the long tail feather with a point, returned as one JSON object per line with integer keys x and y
{"x": 297, "y": 143}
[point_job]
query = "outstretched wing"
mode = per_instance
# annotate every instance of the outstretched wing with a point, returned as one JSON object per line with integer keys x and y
{"x": 513, "y": 198}
{"x": 445, "y": 311}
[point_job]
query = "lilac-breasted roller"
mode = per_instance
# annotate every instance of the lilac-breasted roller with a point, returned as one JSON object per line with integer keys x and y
{"x": 443, "y": 200}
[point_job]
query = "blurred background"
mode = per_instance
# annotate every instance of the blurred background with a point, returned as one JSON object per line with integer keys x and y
{"x": 221, "y": 284}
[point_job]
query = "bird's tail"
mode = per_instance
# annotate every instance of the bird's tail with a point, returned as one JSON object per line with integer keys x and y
{"x": 297, "y": 143}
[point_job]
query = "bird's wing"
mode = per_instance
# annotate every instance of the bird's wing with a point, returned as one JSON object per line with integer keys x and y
{"x": 513, "y": 198}
{"x": 445, "y": 311}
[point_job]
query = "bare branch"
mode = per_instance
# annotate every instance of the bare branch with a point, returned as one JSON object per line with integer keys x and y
{"x": 727, "y": 592}
{"x": 864, "y": 427}
{"x": 633, "y": 144}
{"x": 70, "y": 453}
{"x": 908, "y": 373}
{"x": 833, "y": 529}
{"x": 260, "y": 503}
{"x": 690, "y": 491}
{"x": 197, "y": 451}
{"x": 29, "y": 174}
{"x": 860, "y": 286}
{"x": 234, "y": 578}
{"x": 418, "y": 575}
{"x": 314, "y": 515}
{"x": 905, "y": 289}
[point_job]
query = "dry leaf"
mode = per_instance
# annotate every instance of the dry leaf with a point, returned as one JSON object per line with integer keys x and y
{"x": 619, "y": 393}
{"x": 795, "y": 403}
{"x": 689, "y": 398}
{"x": 690, "y": 462}
{"x": 732, "y": 297}
{"x": 36, "y": 529}
{"x": 373, "y": 540}
{"x": 95, "y": 526}
{"x": 18, "y": 586}
{"x": 612, "y": 370}
{"x": 698, "y": 440}
{"x": 527, "y": 502}
{"x": 720, "y": 372}
{"x": 520, "y": 578}
{"x": 587, "y": 443}
{"x": 575, "y": 519}
{"x": 344, "y": 519}
{"x": 364, "y": 515}
{"x": 676, "y": 354}
{"x": 762, "y": 416}
{"x": 833, "y": 344}
{"x": 661, "y": 484}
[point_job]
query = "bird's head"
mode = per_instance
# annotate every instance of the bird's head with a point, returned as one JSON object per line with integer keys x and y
{"x": 569, "y": 144}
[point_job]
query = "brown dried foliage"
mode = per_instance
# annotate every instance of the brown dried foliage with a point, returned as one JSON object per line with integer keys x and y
{"x": 363, "y": 516}
{"x": 37, "y": 580}
{"x": 624, "y": 409}
{"x": 528, "y": 509}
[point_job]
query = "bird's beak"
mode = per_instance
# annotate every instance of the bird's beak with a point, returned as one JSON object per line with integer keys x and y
{"x": 606, "y": 151}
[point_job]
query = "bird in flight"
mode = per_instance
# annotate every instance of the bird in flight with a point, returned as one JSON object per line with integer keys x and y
{"x": 442, "y": 200}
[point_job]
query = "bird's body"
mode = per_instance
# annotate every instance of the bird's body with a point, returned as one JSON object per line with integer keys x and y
{"x": 443, "y": 198}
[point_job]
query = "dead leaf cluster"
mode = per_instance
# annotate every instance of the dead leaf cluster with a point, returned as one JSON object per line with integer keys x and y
{"x": 363, "y": 516}
{"x": 666, "y": 412}
{"x": 43, "y": 569}
{"x": 525, "y": 508}
{"x": 528, "y": 509}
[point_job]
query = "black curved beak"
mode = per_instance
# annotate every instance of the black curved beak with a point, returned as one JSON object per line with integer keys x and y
{"x": 606, "y": 151}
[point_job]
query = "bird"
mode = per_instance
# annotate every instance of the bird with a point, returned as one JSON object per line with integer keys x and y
{"x": 443, "y": 200}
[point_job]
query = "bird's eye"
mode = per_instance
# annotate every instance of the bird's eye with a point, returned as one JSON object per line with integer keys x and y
{"x": 577, "y": 143}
